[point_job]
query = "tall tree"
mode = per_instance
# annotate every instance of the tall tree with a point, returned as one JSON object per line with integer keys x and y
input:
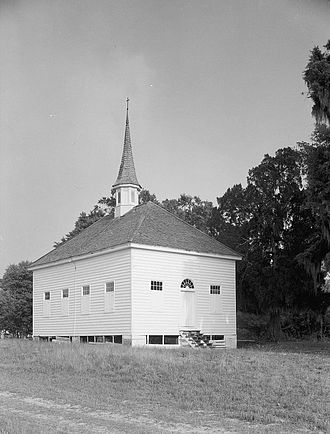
{"x": 317, "y": 79}
{"x": 191, "y": 209}
{"x": 105, "y": 206}
{"x": 317, "y": 168}
{"x": 277, "y": 198}
{"x": 267, "y": 223}
{"x": 145, "y": 196}
{"x": 16, "y": 300}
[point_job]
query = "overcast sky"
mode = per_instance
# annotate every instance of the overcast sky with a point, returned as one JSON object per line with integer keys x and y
{"x": 214, "y": 85}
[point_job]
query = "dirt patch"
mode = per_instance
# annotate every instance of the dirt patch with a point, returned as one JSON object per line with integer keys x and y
{"x": 36, "y": 415}
{"x": 50, "y": 416}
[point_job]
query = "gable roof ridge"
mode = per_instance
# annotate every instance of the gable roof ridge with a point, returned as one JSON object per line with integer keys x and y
{"x": 191, "y": 226}
{"x": 137, "y": 228}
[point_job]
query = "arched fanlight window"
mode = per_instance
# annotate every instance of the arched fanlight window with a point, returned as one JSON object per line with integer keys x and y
{"x": 187, "y": 283}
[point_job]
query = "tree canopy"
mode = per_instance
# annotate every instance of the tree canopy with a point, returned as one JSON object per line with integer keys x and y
{"x": 16, "y": 300}
{"x": 317, "y": 79}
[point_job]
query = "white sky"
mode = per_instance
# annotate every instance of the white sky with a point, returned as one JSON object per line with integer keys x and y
{"x": 214, "y": 85}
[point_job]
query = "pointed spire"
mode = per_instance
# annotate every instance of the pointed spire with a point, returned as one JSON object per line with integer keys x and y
{"x": 126, "y": 174}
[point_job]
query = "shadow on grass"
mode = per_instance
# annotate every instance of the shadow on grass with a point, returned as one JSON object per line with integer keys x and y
{"x": 304, "y": 346}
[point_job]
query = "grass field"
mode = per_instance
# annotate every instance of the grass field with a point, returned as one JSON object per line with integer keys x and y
{"x": 122, "y": 389}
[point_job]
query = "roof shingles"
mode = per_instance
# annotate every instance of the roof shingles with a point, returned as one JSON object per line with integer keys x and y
{"x": 147, "y": 224}
{"x": 126, "y": 174}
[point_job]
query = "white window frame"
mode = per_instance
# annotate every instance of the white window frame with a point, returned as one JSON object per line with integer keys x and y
{"x": 113, "y": 286}
{"x": 65, "y": 302}
{"x": 85, "y": 300}
{"x": 82, "y": 290}
{"x": 215, "y": 298}
{"x": 156, "y": 285}
{"x": 109, "y": 297}
{"x": 62, "y": 293}
{"x": 46, "y": 304}
{"x": 216, "y": 288}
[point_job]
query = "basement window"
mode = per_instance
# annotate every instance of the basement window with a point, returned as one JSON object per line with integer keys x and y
{"x": 116, "y": 339}
{"x": 171, "y": 340}
{"x": 215, "y": 289}
{"x": 156, "y": 339}
{"x": 217, "y": 337}
{"x": 156, "y": 285}
{"x": 47, "y": 295}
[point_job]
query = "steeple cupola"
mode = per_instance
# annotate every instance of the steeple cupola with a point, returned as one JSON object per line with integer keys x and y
{"x": 126, "y": 187}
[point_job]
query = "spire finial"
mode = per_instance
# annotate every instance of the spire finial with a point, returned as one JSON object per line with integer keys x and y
{"x": 127, "y": 101}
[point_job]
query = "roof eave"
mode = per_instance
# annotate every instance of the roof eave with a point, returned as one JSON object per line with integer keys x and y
{"x": 79, "y": 257}
{"x": 127, "y": 184}
{"x": 136, "y": 246}
{"x": 185, "y": 252}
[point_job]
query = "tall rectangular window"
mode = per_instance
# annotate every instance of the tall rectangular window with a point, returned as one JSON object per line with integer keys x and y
{"x": 65, "y": 302}
{"x": 156, "y": 296}
{"x": 215, "y": 299}
{"x": 85, "y": 299}
{"x": 46, "y": 304}
{"x": 133, "y": 196}
{"x": 109, "y": 296}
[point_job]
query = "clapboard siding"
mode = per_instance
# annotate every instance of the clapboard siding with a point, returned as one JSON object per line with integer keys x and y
{"x": 159, "y": 312}
{"x": 94, "y": 271}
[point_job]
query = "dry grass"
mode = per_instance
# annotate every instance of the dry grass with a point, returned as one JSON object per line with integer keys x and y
{"x": 255, "y": 385}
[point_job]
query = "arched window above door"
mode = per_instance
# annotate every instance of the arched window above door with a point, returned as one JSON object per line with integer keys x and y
{"x": 187, "y": 283}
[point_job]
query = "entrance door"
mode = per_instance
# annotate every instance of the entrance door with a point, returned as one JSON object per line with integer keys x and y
{"x": 187, "y": 308}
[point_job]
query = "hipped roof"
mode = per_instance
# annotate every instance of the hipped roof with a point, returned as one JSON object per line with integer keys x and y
{"x": 146, "y": 224}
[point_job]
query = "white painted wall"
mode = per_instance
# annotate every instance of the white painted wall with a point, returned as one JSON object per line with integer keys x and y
{"x": 160, "y": 312}
{"x": 94, "y": 271}
{"x": 140, "y": 311}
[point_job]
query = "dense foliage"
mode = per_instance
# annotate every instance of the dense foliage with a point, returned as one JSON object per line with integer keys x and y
{"x": 16, "y": 300}
{"x": 317, "y": 79}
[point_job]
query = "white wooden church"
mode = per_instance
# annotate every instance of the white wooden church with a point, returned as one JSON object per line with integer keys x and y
{"x": 144, "y": 277}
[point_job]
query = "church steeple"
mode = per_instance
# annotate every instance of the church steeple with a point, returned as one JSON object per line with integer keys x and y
{"x": 126, "y": 186}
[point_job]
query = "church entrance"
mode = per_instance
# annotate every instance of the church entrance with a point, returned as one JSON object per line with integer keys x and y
{"x": 187, "y": 308}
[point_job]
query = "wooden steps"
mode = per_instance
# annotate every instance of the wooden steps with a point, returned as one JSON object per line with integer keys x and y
{"x": 196, "y": 339}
